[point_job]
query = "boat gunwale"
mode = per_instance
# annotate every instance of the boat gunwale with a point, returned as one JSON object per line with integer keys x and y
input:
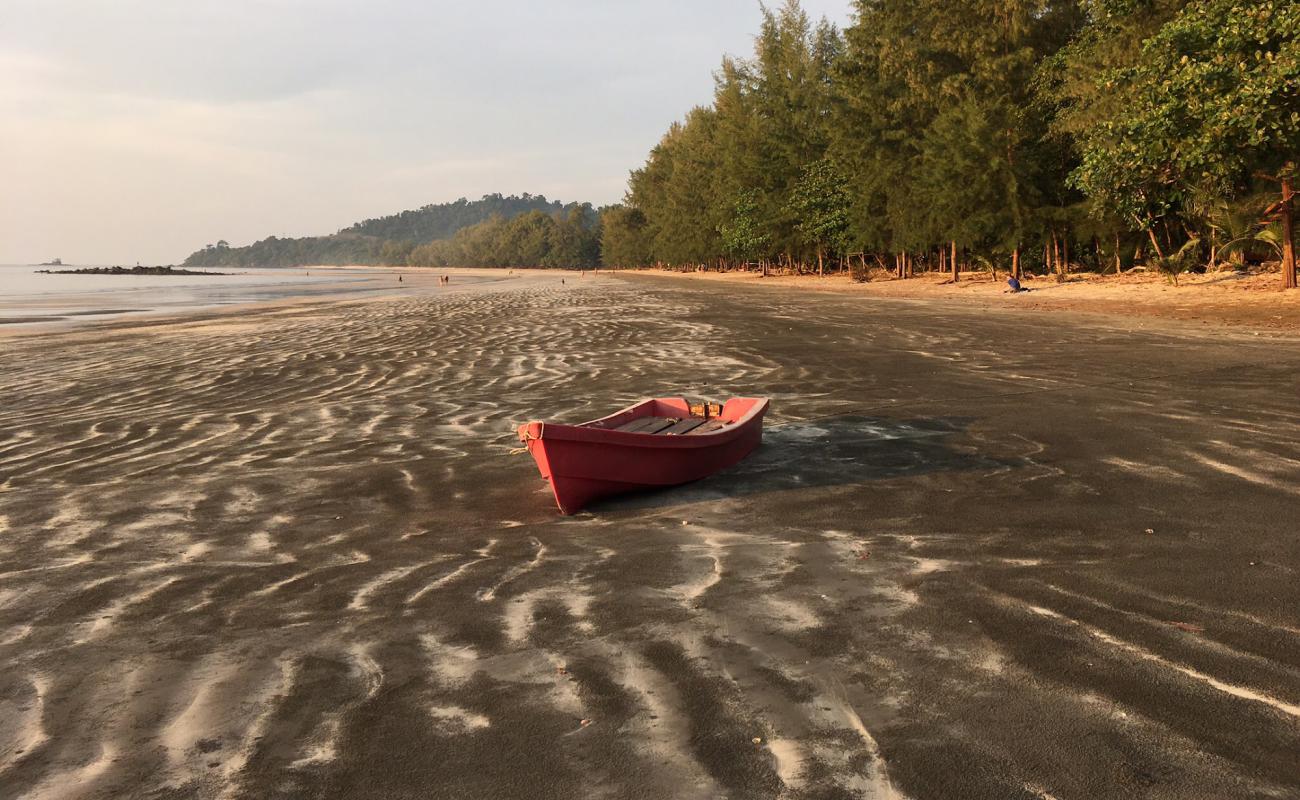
{"x": 590, "y": 432}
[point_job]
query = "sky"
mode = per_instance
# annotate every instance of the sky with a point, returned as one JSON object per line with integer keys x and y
{"x": 141, "y": 130}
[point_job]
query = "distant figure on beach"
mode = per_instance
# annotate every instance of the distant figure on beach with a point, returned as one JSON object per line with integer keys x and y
{"x": 399, "y": 278}
{"x": 1015, "y": 286}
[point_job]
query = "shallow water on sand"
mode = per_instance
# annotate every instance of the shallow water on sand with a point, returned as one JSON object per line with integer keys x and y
{"x": 29, "y": 297}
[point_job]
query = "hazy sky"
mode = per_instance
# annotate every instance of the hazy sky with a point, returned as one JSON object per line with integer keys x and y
{"x": 143, "y": 129}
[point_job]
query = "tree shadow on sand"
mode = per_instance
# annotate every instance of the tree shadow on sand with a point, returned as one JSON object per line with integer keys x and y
{"x": 833, "y": 451}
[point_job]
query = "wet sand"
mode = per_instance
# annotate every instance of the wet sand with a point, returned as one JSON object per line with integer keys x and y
{"x": 285, "y": 553}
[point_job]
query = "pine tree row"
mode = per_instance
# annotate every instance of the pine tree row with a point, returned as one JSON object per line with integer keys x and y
{"x": 1038, "y": 135}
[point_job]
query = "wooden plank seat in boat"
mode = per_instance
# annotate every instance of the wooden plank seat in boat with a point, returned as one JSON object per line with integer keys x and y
{"x": 670, "y": 426}
{"x": 710, "y": 426}
{"x": 685, "y": 426}
{"x": 647, "y": 425}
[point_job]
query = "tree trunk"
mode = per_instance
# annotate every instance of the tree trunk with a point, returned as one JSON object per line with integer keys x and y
{"x": 1288, "y": 241}
{"x": 1015, "y": 263}
{"x": 821, "y": 267}
{"x": 1155, "y": 243}
{"x": 1056, "y": 257}
{"x": 1119, "y": 264}
{"x": 1065, "y": 256}
{"x": 956, "y": 276}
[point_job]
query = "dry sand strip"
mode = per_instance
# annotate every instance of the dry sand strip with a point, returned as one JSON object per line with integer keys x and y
{"x": 285, "y": 553}
{"x": 1219, "y": 299}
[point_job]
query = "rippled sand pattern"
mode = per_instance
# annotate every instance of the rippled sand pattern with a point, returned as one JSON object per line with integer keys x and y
{"x": 288, "y": 555}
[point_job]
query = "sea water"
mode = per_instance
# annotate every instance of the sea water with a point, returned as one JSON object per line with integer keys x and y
{"x": 29, "y": 297}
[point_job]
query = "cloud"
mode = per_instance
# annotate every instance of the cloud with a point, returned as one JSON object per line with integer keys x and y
{"x": 140, "y": 129}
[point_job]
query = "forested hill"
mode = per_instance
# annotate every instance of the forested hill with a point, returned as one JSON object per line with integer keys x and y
{"x": 442, "y": 220}
{"x": 383, "y": 240}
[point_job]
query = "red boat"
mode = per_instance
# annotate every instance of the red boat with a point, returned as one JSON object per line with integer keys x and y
{"x": 665, "y": 441}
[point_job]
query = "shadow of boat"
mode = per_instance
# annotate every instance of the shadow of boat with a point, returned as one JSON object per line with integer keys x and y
{"x": 833, "y": 451}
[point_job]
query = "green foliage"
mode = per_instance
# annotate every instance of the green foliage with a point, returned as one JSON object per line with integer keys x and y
{"x": 1210, "y": 101}
{"x": 395, "y": 252}
{"x": 769, "y": 120}
{"x": 743, "y": 237}
{"x": 1265, "y": 236}
{"x": 273, "y": 251}
{"x": 534, "y": 239}
{"x": 625, "y": 239}
{"x": 819, "y": 204}
{"x": 1000, "y": 125}
{"x": 442, "y": 220}
{"x": 937, "y": 126}
{"x": 1175, "y": 264}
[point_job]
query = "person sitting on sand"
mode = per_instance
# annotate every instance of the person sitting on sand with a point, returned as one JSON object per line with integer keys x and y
{"x": 1015, "y": 286}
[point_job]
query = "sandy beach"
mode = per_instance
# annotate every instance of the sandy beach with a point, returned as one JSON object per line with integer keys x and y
{"x": 283, "y": 550}
{"x": 1221, "y": 298}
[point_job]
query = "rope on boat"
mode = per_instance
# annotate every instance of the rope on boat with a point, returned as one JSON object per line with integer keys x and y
{"x": 528, "y": 437}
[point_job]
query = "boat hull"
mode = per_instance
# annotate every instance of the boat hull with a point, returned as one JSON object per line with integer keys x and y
{"x": 587, "y": 462}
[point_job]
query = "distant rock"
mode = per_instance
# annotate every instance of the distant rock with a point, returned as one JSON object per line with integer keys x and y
{"x": 128, "y": 271}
